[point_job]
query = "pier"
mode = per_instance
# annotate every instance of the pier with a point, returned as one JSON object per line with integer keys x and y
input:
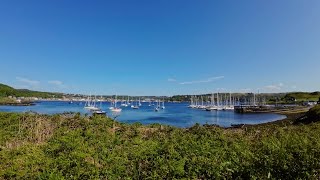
{"x": 248, "y": 108}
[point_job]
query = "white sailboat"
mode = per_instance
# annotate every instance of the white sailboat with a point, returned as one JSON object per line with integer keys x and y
{"x": 115, "y": 108}
{"x": 91, "y": 104}
{"x": 136, "y": 106}
{"x": 202, "y": 106}
{"x": 163, "y": 107}
{"x": 128, "y": 101}
{"x": 100, "y": 111}
{"x": 230, "y": 105}
{"x": 213, "y": 105}
{"x": 218, "y": 103}
{"x": 140, "y": 102}
{"x": 157, "y": 106}
{"x": 192, "y": 102}
{"x": 111, "y": 104}
{"x": 124, "y": 104}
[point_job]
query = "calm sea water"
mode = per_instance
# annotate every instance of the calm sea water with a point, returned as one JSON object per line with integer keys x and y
{"x": 175, "y": 114}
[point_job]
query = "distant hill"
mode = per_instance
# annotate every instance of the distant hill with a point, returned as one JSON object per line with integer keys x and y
{"x": 303, "y": 96}
{"x": 6, "y": 91}
{"x": 271, "y": 98}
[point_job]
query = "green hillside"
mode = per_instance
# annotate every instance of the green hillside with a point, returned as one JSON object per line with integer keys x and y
{"x": 303, "y": 96}
{"x": 6, "y": 91}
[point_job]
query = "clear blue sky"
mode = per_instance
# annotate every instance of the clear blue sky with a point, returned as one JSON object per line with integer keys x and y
{"x": 160, "y": 47}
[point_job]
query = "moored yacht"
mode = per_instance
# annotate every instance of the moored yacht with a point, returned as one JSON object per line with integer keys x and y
{"x": 115, "y": 108}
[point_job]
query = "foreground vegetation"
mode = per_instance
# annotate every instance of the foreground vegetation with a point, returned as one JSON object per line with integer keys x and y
{"x": 70, "y": 146}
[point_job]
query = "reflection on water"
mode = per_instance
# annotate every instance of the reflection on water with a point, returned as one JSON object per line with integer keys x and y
{"x": 175, "y": 114}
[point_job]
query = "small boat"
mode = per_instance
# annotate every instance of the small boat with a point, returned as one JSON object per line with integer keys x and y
{"x": 230, "y": 108}
{"x": 116, "y": 109}
{"x": 135, "y": 107}
{"x": 92, "y": 108}
{"x": 192, "y": 106}
{"x": 99, "y": 112}
{"x": 212, "y": 108}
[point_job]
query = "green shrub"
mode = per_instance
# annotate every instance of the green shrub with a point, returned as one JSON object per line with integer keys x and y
{"x": 77, "y": 147}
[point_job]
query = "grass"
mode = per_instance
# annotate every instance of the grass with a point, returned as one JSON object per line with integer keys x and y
{"x": 70, "y": 146}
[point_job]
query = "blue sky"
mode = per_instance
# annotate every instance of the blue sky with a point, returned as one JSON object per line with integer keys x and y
{"x": 160, "y": 47}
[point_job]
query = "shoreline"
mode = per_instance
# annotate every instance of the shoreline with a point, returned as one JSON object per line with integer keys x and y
{"x": 8, "y": 101}
{"x": 289, "y": 120}
{"x": 291, "y": 117}
{"x": 18, "y": 104}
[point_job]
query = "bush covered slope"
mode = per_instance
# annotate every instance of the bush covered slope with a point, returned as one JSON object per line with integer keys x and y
{"x": 76, "y": 147}
{"x": 313, "y": 115}
{"x": 9, "y": 91}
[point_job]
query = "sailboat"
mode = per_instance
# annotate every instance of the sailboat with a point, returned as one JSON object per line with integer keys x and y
{"x": 100, "y": 111}
{"x": 124, "y": 103}
{"x": 230, "y": 105}
{"x": 218, "y": 103}
{"x": 213, "y": 105}
{"x": 202, "y": 106}
{"x": 111, "y": 104}
{"x": 115, "y": 108}
{"x": 157, "y": 106}
{"x": 128, "y": 101}
{"x": 91, "y": 104}
{"x": 136, "y": 106}
{"x": 192, "y": 102}
{"x": 140, "y": 102}
{"x": 163, "y": 107}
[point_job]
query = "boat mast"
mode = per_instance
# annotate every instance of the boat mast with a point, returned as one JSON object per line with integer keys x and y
{"x": 218, "y": 104}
